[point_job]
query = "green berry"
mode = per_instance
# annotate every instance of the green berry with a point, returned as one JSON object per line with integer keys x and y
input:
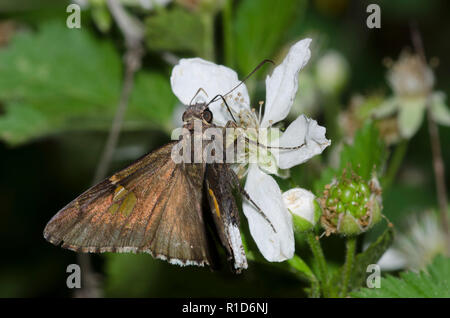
{"x": 347, "y": 195}
{"x": 331, "y": 202}
{"x": 335, "y": 192}
{"x": 350, "y": 206}
{"x": 364, "y": 189}
{"x": 340, "y": 208}
{"x": 353, "y": 185}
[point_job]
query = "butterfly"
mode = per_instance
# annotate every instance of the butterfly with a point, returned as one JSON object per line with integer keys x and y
{"x": 160, "y": 207}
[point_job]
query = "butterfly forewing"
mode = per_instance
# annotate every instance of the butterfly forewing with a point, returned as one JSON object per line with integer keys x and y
{"x": 152, "y": 206}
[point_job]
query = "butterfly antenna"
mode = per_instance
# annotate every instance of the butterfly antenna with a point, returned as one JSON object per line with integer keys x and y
{"x": 226, "y": 104}
{"x": 198, "y": 91}
{"x": 240, "y": 83}
{"x": 246, "y": 78}
{"x": 251, "y": 73}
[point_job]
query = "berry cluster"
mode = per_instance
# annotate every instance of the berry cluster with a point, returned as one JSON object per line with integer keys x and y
{"x": 351, "y": 205}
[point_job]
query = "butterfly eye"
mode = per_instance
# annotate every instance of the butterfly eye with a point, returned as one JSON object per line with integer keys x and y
{"x": 207, "y": 116}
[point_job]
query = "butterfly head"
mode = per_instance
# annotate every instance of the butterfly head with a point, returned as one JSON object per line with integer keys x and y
{"x": 198, "y": 111}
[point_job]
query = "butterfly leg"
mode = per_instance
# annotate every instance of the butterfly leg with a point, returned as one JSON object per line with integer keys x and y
{"x": 257, "y": 143}
{"x": 247, "y": 196}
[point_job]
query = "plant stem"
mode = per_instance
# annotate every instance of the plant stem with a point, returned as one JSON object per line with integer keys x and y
{"x": 439, "y": 174}
{"x": 348, "y": 266}
{"x": 133, "y": 34}
{"x": 438, "y": 162}
{"x": 317, "y": 252}
{"x": 395, "y": 163}
{"x": 315, "y": 289}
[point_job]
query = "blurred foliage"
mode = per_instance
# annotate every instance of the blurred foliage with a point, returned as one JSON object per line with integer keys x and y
{"x": 176, "y": 30}
{"x": 59, "y": 89}
{"x": 48, "y": 88}
{"x": 260, "y": 28}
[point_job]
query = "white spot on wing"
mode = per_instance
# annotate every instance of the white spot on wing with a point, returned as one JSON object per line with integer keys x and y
{"x": 240, "y": 261}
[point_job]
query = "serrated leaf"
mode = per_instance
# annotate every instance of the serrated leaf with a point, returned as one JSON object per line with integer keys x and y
{"x": 259, "y": 28}
{"x": 367, "y": 153}
{"x": 434, "y": 282}
{"x": 59, "y": 79}
{"x": 370, "y": 256}
{"x": 175, "y": 30}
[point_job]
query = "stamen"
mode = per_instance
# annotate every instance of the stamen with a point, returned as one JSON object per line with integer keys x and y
{"x": 260, "y": 110}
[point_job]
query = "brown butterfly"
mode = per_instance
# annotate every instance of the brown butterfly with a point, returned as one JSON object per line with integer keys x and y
{"x": 159, "y": 207}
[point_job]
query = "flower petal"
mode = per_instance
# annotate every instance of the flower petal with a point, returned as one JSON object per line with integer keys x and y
{"x": 305, "y": 131}
{"x": 387, "y": 108}
{"x": 191, "y": 74}
{"x": 410, "y": 117}
{"x": 439, "y": 110}
{"x": 392, "y": 260}
{"x": 282, "y": 86}
{"x": 264, "y": 191}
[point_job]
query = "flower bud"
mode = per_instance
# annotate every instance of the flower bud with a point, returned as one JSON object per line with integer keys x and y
{"x": 350, "y": 206}
{"x": 304, "y": 208}
{"x": 332, "y": 72}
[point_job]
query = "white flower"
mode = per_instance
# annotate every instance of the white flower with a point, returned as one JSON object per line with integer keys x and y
{"x": 412, "y": 83}
{"x": 281, "y": 87}
{"x": 415, "y": 247}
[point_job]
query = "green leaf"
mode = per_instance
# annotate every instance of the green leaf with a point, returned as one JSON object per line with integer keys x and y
{"x": 301, "y": 268}
{"x": 175, "y": 30}
{"x": 434, "y": 282}
{"x": 59, "y": 79}
{"x": 367, "y": 153}
{"x": 259, "y": 29}
{"x": 370, "y": 256}
{"x": 325, "y": 178}
{"x": 22, "y": 122}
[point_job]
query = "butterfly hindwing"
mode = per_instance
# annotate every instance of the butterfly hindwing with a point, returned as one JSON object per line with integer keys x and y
{"x": 152, "y": 206}
{"x": 219, "y": 190}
